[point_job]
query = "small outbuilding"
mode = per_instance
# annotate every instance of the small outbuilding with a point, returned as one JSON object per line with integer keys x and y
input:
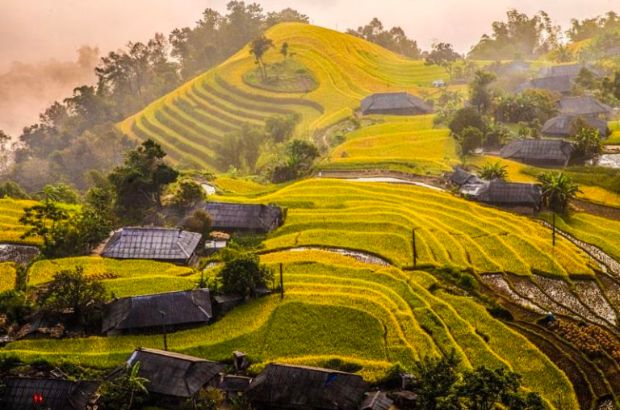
{"x": 246, "y": 218}
{"x": 584, "y": 106}
{"x": 562, "y": 126}
{"x": 172, "y": 310}
{"x": 376, "y": 400}
{"x": 20, "y": 393}
{"x": 173, "y": 376}
{"x": 557, "y": 84}
{"x": 511, "y": 195}
{"x": 283, "y": 387}
{"x": 394, "y": 104}
{"x": 160, "y": 244}
{"x": 540, "y": 152}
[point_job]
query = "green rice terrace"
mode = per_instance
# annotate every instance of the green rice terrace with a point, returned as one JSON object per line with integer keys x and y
{"x": 10, "y": 228}
{"x": 192, "y": 120}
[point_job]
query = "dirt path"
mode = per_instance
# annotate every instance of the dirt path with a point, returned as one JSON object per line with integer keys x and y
{"x": 388, "y": 175}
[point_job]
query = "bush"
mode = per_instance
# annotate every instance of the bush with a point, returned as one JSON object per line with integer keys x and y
{"x": 470, "y": 139}
{"x": 243, "y": 274}
{"x": 466, "y": 117}
{"x": 281, "y": 127}
{"x": 188, "y": 193}
{"x": 16, "y": 305}
{"x": 468, "y": 282}
{"x": 199, "y": 221}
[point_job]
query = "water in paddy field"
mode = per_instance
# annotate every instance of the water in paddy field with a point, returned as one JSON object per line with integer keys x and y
{"x": 609, "y": 161}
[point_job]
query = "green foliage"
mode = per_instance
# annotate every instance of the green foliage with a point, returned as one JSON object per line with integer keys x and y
{"x": 446, "y": 105}
{"x": 300, "y": 155}
{"x": 527, "y": 106}
{"x": 258, "y": 48}
{"x": 241, "y": 148}
{"x": 491, "y": 171}
{"x": 187, "y": 193}
{"x": 479, "y": 94}
{"x": 242, "y": 274}
{"x": 60, "y": 192}
{"x": 443, "y": 55}
{"x": 587, "y": 139}
{"x": 16, "y": 305}
{"x": 71, "y": 290}
{"x": 436, "y": 380}
{"x": 209, "y": 398}
{"x": 13, "y": 190}
{"x": 558, "y": 189}
{"x": 470, "y": 139}
{"x": 466, "y": 117}
{"x": 140, "y": 181}
{"x": 126, "y": 392}
{"x": 281, "y": 127}
{"x": 394, "y": 39}
{"x": 199, "y": 221}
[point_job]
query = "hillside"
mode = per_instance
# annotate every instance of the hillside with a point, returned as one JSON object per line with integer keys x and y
{"x": 192, "y": 120}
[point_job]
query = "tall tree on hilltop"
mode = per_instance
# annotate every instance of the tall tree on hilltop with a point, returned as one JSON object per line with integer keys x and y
{"x": 258, "y": 48}
{"x": 444, "y": 56}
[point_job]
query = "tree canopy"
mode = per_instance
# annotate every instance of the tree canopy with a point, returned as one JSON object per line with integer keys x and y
{"x": 393, "y": 39}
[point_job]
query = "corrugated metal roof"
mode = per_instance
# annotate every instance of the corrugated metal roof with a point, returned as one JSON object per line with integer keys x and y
{"x": 539, "y": 150}
{"x": 296, "y": 387}
{"x": 174, "y": 374}
{"x": 152, "y": 243}
{"x": 583, "y": 105}
{"x": 56, "y": 394}
{"x": 139, "y": 312}
{"x": 233, "y": 217}
{"x": 508, "y": 193}
{"x": 396, "y": 102}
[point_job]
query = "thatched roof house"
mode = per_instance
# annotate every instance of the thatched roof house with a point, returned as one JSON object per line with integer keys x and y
{"x": 162, "y": 244}
{"x": 152, "y": 312}
{"x": 584, "y": 106}
{"x": 394, "y": 104}
{"x": 52, "y": 394}
{"x": 541, "y": 152}
{"x": 511, "y": 195}
{"x": 556, "y": 84}
{"x": 562, "y": 126}
{"x": 282, "y": 386}
{"x": 230, "y": 217}
{"x": 174, "y": 375}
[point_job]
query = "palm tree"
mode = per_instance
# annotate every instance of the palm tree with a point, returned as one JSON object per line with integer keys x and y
{"x": 135, "y": 382}
{"x": 558, "y": 189}
{"x": 492, "y": 171}
{"x": 258, "y": 48}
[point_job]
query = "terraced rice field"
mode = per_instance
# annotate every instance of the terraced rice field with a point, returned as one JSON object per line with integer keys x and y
{"x": 382, "y": 316}
{"x": 408, "y": 144}
{"x": 7, "y": 276}
{"x": 614, "y": 138}
{"x": 378, "y": 218}
{"x": 191, "y": 121}
{"x": 10, "y": 228}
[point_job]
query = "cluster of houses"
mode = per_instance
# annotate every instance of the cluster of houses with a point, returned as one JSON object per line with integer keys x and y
{"x": 174, "y": 379}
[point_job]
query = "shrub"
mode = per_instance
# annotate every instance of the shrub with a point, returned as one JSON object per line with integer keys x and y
{"x": 243, "y": 274}
{"x": 491, "y": 171}
{"x": 199, "y": 221}
{"x": 470, "y": 139}
{"x": 466, "y": 117}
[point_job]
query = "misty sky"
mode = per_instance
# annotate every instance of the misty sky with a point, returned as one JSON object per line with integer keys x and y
{"x": 36, "y": 30}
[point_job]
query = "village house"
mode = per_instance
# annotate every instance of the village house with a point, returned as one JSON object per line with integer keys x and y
{"x": 562, "y": 70}
{"x": 562, "y": 126}
{"x": 394, "y": 104}
{"x": 584, "y": 106}
{"x": 516, "y": 196}
{"x": 376, "y": 400}
{"x": 20, "y": 393}
{"x": 539, "y": 152}
{"x": 283, "y": 387}
{"x": 160, "y": 244}
{"x": 557, "y": 84}
{"x": 172, "y": 311}
{"x": 174, "y": 377}
{"x": 244, "y": 218}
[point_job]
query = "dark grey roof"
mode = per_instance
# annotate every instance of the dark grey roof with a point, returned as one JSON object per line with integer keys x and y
{"x": 461, "y": 177}
{"x": 244, "y": 217}
{"x": 57, "y": 394}
{"x": 174, "y": 374}
{"x": 553, "y": 151}
{"x": 152, "y": 243}
{"x": 396, "y": 103}
{"x": 562, "y": 125}
{"x": 567, "y": 70}
{"x": 231, "y": 383}
{"x": 299, "y": 387}
{"x": 139, "y": 312}
{"x": 508, "y": 193}
{"x": 559, "y": 84}
{"x": 583, "y": 105}
{"x": 376, "y": 401}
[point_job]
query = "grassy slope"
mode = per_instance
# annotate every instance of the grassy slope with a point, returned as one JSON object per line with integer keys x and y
{"x": 10, "y": 228}
{"x": 378, "y": 218}
{"x": 192, "y": 119}
{"x": 379, "y": 315}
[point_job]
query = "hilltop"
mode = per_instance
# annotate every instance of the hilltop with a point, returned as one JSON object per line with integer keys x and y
{"x": 190, "y": 121}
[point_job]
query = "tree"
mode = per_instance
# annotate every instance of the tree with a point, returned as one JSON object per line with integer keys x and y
{"x": 72, "y": 290}
{"x": 466, "y": 117}
{"x": 443, "y": 55}
{"x": 188, "y": 193}
{"x": 394, "y": 39}
{"x": 284, "y": 50}
{"x": 49, "y": 222}
{"x": 447, "y": 105}
{"x": 587, "y": 139}
{"x": 300, "y": 155}
{"x": 558, "y": 190}
{"x": 483, "y": 388}
{"x": 470, "y": 139}
{"x": 199, "y": 221}
{"x": 479, "y": 94}
{"x": 127, "y": 392}
{"x": 281, "y": 127}
{"x": 61, "y": 192}
{"x": 258, "y": 48}
{"x": 491, "y": 171}
{"x": 10, "y": 189}
{"x": 139, "y": 182}
{"x": 242, "y": 274}
{"x": 436, "y": 379}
